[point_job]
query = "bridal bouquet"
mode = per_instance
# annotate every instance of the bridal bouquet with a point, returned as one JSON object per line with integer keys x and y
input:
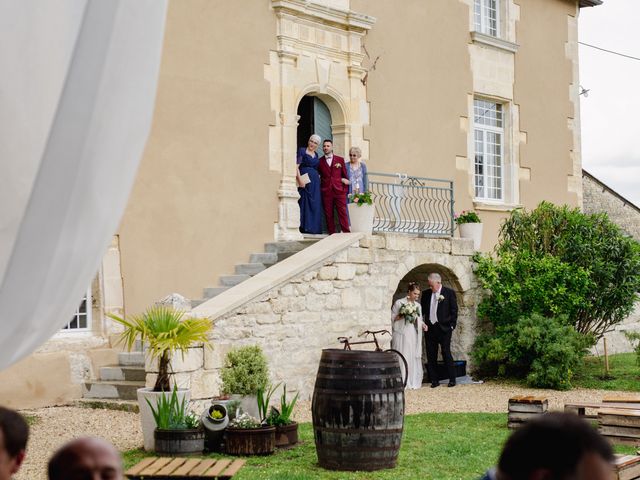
{"x": 409, "y": 311}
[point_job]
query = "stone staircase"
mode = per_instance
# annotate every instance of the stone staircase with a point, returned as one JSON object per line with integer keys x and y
{"x": 274, "y": 252}
{"x": 117, "y": 384}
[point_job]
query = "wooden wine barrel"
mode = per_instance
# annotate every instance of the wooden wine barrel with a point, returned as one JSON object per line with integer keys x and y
{"x": 358, "y": 410}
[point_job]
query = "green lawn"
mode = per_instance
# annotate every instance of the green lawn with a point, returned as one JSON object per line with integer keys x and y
{"x": 442, "y": 446}
{"x": 624, "y": 373}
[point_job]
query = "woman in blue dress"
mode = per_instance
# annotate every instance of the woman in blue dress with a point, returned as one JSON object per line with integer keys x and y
{"x": 310, "y": 201}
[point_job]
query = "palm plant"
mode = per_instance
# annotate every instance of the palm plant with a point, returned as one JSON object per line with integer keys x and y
{"x": 165, "y": 332}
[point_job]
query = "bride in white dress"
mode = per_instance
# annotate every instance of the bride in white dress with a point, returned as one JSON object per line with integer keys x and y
{"x": 407, "y": 334}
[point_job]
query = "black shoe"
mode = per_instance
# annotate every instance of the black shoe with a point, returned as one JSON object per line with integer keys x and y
{"x": 451, "y": 384}
{"x": 434, "y": 385}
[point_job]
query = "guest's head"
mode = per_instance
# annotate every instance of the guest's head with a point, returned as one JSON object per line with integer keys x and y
{"x": 354, "y": 154}
{"x": 556, "y": 446}
{"x": 327, "y": 146}
{"x": 435, "y": 281}
{"x": 14, "y": 433}
{"x": 314, "y": 141}
{"x": 413, "y": 291}
{"x": 86, "y": 458}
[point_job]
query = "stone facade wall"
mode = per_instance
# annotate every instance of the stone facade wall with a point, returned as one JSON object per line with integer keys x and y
{"x": 599, "y": 198}
{"x": 343, "y": 295}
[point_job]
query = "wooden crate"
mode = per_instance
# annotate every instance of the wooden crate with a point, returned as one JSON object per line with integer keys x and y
{"x": 619, "y": 425}
{"x": 183, "y": 468}
{"x": 627, "y": 467}
{"x": 523, "y": 408}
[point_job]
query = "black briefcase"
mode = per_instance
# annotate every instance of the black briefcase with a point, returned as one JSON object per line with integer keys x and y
{"x": 460, "y": 367}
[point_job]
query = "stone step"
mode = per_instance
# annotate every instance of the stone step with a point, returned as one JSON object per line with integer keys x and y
{"x": 118, "y": 372}
{"x": 210, "y": 292}
{"x": 286, "y": 249}
{"x": 121, "y": 390}
{"x": 106, "y": 404}
{"x": 198, "y": 301}
{"x": 267, "y": 259}
{"x": 131, "y": 359}
{"x": 232, "y": 280}
{"x": 249, "y": 268}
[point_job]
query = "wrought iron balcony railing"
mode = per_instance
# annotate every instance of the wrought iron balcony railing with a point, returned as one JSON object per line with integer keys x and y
{"x": 414, "y": 205}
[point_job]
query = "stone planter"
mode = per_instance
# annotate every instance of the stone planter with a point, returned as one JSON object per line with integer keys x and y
{"x": 179, "y": 442}
{"x": 286, "y": 435}
{"x": 472, "y": 231}
{"x": 214, "y": 428}
{"x": 146, "y": 416}
{"x": 250, "y": 441}
{"x": 361, "y": 217}
{"x": 248, "y": 404}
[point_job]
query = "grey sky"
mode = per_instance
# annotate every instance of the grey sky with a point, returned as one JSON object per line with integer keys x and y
{"x": 610, "y": 123}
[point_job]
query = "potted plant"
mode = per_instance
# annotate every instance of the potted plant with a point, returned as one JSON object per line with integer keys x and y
{"x": 246, "y": 435}
{"x": 286, "y": 429}
{"x": 163, "y": 331}
{"x": 361, "y": 212}
{"x": 244, "y": 373}
{"x": 470, "y": 226}
{"x": 177, "y": 432}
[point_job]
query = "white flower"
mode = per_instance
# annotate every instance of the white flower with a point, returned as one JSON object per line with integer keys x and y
{"x": 440, "y": 297}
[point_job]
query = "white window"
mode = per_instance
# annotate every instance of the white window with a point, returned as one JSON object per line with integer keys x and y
{"x": 486, "y": 19}
{"x": 488, "y": 141}
{"x": 81, "y": 319}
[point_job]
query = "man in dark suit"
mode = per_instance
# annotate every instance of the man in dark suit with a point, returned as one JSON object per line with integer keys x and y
{"x": 334, "y": 186}
{"x": 440, "y": 310}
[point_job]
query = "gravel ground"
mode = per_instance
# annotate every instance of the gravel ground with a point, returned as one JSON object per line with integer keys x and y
{"x": 54, "y": 426}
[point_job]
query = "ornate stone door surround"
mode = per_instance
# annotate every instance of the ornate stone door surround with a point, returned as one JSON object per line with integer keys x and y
{"x": 319, "y": 52}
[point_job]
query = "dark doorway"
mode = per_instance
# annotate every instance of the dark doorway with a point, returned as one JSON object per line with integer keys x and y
{"x": 314, "y": 118}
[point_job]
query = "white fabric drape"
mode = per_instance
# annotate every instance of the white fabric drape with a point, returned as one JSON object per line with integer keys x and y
{"x": 77, "y": 88}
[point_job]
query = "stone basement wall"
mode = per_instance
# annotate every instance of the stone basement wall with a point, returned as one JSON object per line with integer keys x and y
{"x": 599, "y": 198}
{"x": 341, "y": 293}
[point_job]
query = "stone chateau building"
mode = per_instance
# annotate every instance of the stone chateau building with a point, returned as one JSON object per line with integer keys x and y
{"x": 455, "y": 104}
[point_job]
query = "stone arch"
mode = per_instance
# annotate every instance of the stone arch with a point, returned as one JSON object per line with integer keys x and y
{"x": 339, "y": 114}
{"x": 456, "y": 274}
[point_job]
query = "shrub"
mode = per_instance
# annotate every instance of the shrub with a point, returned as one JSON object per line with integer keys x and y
{"x": 586, "y": 243}
{"x": 545, "y": 351}
{"x": 467, "y": 216}
{"x": 245, "y": 371}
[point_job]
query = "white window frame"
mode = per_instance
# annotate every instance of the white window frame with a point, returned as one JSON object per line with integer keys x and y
{"x": 501, "y": 131}
{"x": 68, "y": 328}
{"x": 483, "y": 25}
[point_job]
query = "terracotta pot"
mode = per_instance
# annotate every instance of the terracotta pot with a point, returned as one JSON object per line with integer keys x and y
{"x": 250, "y": 441}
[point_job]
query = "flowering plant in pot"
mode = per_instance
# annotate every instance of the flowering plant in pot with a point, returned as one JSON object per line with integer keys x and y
{"x": 286, "y": 428}
{"x": 177, "y": 432}
{"x": 163, "y": 331}
{"x": 361, "y": 212}
{"x": 470, "y": 226}
{"x": 246, "y": 435}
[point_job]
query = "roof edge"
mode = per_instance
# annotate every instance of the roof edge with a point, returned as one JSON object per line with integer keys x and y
{"x": 610, "y": 190}
{"x": 590, "y": 3}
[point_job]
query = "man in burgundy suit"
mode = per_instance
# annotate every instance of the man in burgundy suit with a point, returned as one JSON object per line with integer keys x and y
{"x": 334, "y": 186}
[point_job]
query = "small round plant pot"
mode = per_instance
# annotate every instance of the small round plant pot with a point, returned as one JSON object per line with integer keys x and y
{"x": 250, "y": 441}
{"x": 286, "y": 435}
{"x": 473, "y": 231}
{"x": 214, "y": 427}
{"x": 179, "y": 442}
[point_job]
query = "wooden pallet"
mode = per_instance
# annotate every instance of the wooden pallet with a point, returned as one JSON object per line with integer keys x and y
{"x": 184, "y": 468}
{"x": 620, "y": 425}
{"x": 579, "y": 408}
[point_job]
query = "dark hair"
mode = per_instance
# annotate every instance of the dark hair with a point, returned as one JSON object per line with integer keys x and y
{"x": 413, "y": 286}
{"x": 556, "y": 442}
{"x": 14, "y": 430}
{"x": 327, "y": 140}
